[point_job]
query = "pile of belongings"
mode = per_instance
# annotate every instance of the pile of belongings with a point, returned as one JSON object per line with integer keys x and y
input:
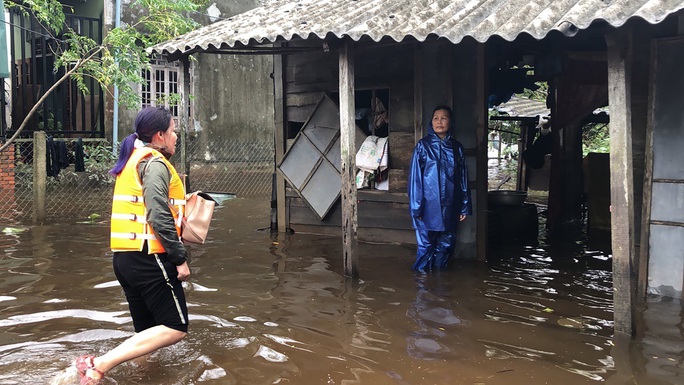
{"x": 371, "y": 160}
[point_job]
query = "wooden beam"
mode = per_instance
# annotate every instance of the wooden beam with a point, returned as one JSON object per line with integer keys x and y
{"x": 350, "y": 222}
{"x": 621, "y": 176}
{"x": 279, "y": 130}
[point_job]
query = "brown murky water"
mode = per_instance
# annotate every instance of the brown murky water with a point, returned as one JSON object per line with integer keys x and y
{"x": 276, "y": 310}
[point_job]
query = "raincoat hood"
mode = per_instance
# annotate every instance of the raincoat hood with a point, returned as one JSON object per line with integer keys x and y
{"x": 452, "y": 124}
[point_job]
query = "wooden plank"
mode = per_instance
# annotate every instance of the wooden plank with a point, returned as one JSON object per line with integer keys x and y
{"x": 384, "y": 215}
{"x": 348, "y": 165}
{"x": 279, "y": 133}
{"x": 320, "y": 68}
{"x": 302, "y": 99}
{"x": 401, "y": 107}
{"x": 365, "y": 235}
{"x": 375, "y": 214}
{"x": 382, "y": 196}
{"x": 621, "y": 191}
{"x": 370, "y": 196}
{"x": 401, "y": 146}
{"x": 301, "y": 213}
{"x": 389, "y": 236}
{"x": 398, "y": 179}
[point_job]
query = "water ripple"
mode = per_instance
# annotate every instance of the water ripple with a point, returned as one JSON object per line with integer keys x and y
{"x": 94, "y": 315}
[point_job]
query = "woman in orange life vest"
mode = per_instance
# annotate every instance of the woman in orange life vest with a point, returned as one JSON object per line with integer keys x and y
{"x": 149, "y": 259}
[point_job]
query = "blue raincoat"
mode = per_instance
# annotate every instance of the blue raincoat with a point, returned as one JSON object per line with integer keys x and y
{"x": 438, "y": 194}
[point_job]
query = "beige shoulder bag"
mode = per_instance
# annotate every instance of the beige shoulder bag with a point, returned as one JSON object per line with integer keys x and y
{"x": 199, "y": 208}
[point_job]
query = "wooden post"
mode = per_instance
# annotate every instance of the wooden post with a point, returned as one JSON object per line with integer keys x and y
{"x": 644, "y": 248}
{"x": 521, "y": 181}
{"x": 417, "y": 92}
{"x": 481, "y": 172}
{"x": 348, "y": 152}
{"x": 279, "y": 137}
{"x": 642, "y": 155}
{"x": 554, "y": 212}
{"x": 39, "y": 176}
{"x": 185, "y": 119}
{"x": 621, "y": 170}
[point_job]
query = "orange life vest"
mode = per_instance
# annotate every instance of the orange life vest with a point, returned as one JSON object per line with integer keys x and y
{"x": 129, "y": 227}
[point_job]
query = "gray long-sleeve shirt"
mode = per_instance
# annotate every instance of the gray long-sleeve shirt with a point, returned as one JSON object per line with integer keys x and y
{"x": 155, "y": 182}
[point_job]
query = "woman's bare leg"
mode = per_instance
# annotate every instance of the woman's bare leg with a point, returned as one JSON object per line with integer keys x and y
{"x": 140, "y": 344}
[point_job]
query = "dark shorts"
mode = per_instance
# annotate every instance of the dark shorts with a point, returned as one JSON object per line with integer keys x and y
{"x": 154, "y": 293}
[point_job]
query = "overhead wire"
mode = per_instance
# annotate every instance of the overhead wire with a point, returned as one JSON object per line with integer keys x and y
{"x": 32, "y": 31}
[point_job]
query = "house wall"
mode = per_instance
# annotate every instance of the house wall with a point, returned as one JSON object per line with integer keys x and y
{"x": 309, "y": 75}
{"x": 382, "y": 216}
{"x": 232, "y": 95}
{"x": 233, "y": 102}
{"x": 666, "y": 225}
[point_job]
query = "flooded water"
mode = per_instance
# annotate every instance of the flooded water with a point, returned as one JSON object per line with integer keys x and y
{"x": 277, "y": 310}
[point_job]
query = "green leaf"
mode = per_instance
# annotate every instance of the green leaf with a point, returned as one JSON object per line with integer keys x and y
{"x": 13, "y": 230}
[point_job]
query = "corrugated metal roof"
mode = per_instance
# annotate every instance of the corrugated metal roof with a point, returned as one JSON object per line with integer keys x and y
{"x": 523, "y": 107}
{"x": 451, "y": 19}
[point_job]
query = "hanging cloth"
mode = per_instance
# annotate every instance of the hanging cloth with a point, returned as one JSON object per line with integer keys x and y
{"x": 52, "y": 161}
{"x": 79, "y": 161}
{"x": 62, "y": 157}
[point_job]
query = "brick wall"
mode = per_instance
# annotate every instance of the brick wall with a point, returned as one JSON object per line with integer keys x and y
{"x": 7, "y": 182}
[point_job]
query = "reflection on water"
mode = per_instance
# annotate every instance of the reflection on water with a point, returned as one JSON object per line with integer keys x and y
{"x": 276, "y": 310}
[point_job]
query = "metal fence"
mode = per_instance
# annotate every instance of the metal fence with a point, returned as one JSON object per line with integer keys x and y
{"x": 241, "y": 167}
{"x": 244, "y": 168}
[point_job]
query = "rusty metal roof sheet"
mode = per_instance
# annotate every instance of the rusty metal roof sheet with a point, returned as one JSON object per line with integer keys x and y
{"x": 397, "y": 19}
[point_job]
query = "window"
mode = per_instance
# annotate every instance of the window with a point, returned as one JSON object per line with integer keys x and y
{"x": 161, "y": 85}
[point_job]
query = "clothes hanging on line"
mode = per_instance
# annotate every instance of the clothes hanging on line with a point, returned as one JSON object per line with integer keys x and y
{"x": 52, "y": 157}
{"x": 79, "y": 156}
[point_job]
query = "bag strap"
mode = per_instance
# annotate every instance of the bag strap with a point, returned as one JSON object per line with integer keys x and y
{"x": 150, "y": 159}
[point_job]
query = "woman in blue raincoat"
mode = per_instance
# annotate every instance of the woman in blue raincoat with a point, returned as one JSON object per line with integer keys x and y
{"x": 438, "y": 192}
